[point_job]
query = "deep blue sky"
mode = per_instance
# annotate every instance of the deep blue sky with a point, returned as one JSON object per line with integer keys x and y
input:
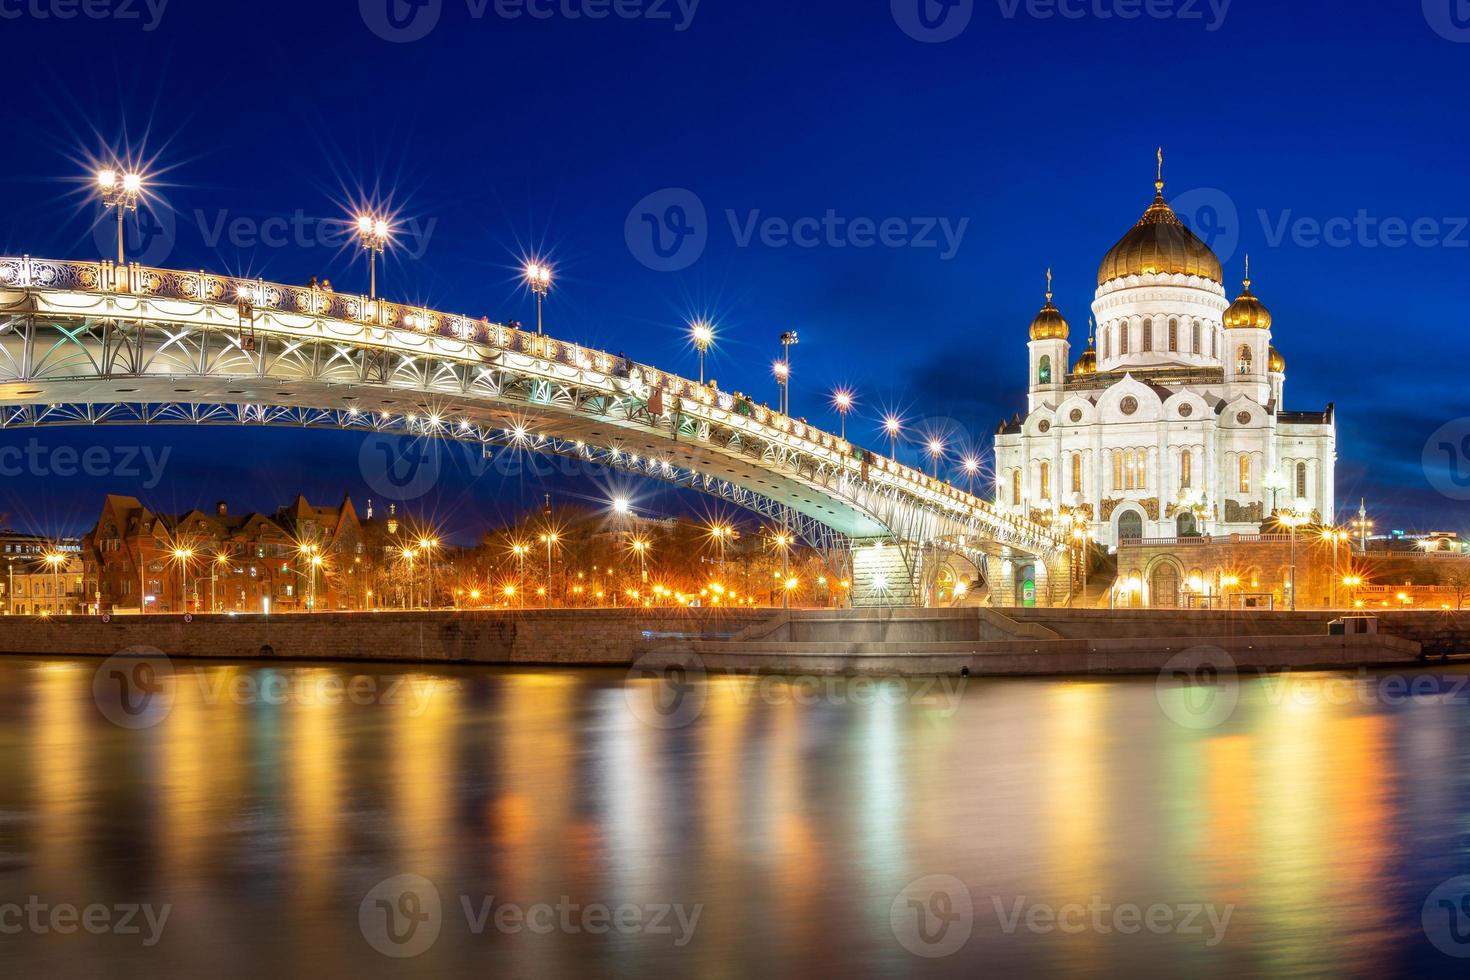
{"x": 509, "y": 136}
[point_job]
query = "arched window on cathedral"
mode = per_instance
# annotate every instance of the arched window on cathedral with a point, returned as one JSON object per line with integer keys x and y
{"x": 1197, "y": 347}
{"x": 1301, "y": 479}
{"x": 1015, "y": 488}
{"x": 1186, "y": 470}
{"x": 1244, "y": 358}
{"x": 1045, "y": 480}
{"x": 1245, "y": 473}
{"x": 1043, "y": 375}
{"x": 1123, "y": 337}
{"x": 1148, "y": 335}
{"x": 1214, "y": 343}
{"x": 1173, "y": 336}
{"x": 1106, "y": 345}
{"x": 1117, "y": 470}
{"x": 1077, "y": 473}
{"x": 1130, "y": 470}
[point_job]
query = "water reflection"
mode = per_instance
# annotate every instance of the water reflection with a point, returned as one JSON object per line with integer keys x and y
{"x": 791, "y": 821}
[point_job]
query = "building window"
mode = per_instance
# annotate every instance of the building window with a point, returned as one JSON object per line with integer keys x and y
{"x": 1117, "y": 471}
{"x": 1107, "y": 347}
{"x": 1214, "y": 343}
{"x": 1130, "y": 470}
{"x": 1077, "y": 473}
{"x": 1173, "y": 336}
{"x": 1301, "y": 479}
{"x": 1148, "y": 336}
{"x": 1197, "y": 348}
{"x": 1015, "y": 488}
{"x": 1043, "y": 376}
{"x": 1186, "y": 470}
{"x": 1123, "y": 338}
{"x": 1244, "y": 358}
{"x": 1045, "y": 480}
{"x": 1245, "y": 474}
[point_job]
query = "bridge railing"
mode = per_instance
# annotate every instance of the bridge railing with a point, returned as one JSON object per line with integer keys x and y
{"x": 133, "y": 279}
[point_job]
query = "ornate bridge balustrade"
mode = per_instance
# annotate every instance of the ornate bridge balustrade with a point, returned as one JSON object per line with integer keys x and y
{"x": 87, "y": 343}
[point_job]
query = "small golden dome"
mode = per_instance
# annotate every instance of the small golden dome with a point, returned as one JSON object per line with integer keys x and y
{"x": 1087, "y": 363}
{"x": 1247, "y": 311}
{"x": 1278, "y": 363}
{"x": 1049, "y": 323}
{"x": 1159, "y": 244}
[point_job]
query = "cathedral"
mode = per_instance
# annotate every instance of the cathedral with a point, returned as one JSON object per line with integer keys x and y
{"x": 1171, "y": 423}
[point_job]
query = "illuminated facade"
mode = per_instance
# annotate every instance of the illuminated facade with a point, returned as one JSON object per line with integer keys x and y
{"x": 1171, "y": 423}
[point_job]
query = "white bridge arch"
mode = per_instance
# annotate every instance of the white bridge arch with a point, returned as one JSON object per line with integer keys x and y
{"x": 90, "y": 343}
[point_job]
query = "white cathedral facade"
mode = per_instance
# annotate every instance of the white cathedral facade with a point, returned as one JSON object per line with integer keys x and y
{"x": 1171, "y": 423}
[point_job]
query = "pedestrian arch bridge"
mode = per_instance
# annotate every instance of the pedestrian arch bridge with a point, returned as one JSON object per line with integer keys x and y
{"x": 94, "y": 343}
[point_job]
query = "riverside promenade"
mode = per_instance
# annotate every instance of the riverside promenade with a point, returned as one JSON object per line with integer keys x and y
{"x": 870, "y": 642}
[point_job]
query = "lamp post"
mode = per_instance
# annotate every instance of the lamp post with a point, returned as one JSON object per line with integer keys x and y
{"x": 550, "y": 539}
{"x": 1276, "y": 483}
{"x": 519, "y": 550}
{"x": 1362, "y": 526}
{"x": 972, "y": 468}
{"x": 183, "y": 556}
{"x": 427, "y": 546}
{"x": 219, "y": 560}
{"x": 1334, "y": 535}
{"x": 408, "y": 556}
{"x": 56, "y": 559}
{"x": 373, "y": 232}
{"x": 538, "y": 277}
{"x": 936, "y": 451}
{"x": 704, "y": 336}
{"x": 120, "y": 192}
{"x": 1294, "y": 518}
{"x": 640, "y": 546}
{"x": 316, "y": 564}
{"x": 10, "y": 593}
{"x": 842, "y": 401}
{"x": 788, "y": 341}
{"x": 783, "y": 541}
{"x": 782, "y": 371}
{"x": 893, "y": 426}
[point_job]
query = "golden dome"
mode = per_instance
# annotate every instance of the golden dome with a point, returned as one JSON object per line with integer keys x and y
{"x": 1049, "y": 323}
{"x": 1278, "y": 363}
{"x": 1247, "y": 311}
{"x": 1159, "y": 243}
{"x": 1087, "y": 363}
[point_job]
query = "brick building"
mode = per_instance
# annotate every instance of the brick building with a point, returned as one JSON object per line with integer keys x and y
{"x": 302, "y": 556}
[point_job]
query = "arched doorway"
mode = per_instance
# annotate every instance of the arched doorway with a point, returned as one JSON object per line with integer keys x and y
{"x": 1188, "y": 527}
{"x": 1164, "y": 587}
{"x": 1130, "y": 526}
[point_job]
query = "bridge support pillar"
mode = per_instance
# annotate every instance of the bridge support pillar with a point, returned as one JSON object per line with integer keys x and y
{"x": 882, "y": 575}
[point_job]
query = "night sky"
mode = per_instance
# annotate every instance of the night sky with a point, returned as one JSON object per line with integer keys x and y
{"x": 1030, "y": 139}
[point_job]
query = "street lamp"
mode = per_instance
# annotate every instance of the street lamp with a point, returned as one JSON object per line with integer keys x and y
{"x": 120, "y": 192}
{"x": 640, "y": 547}
{"x": 1335, "y": 536}
{"x": 408, "y": 557}
{"x": 842, "y": 401}
{"x": 56, "y": 559}
{"x": 893, "y": 425}
{"x": 219, "y": 560}
{"x": 782, "y": 371}
{"x": 972, "y": 467}
{"x": 427, "y": 546}
{"x": 1294, "y": 517}
{"x": 183, "y": 557}
{"x": 783, "y": 541}
{"x": 373, "y": 232}
{"x": 1275, "y": 482}
{"x": 538, "y": 277}
{"x": 936, "y": 450}
{"x": 704, "y": 336}
{"x": 788, "y": 341}
{"x": 550, "y": 539}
